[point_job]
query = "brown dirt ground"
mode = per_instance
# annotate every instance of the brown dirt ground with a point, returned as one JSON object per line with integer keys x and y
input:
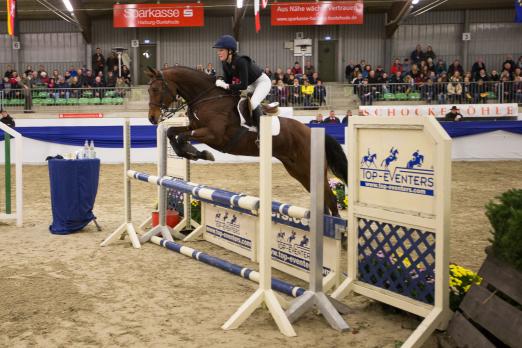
{"x": 66, "y": 291}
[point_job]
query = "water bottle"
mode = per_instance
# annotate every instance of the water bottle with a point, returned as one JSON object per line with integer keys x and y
{"x": 92, "y": 153}
{"x": 85, "y": 152}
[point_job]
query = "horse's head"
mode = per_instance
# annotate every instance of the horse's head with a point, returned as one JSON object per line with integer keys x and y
{"x": 162, "y": 93}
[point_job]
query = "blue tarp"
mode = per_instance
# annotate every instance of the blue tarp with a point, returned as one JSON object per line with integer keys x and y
{"x": 145, "y": 136}
{"x": 74, "y": 184}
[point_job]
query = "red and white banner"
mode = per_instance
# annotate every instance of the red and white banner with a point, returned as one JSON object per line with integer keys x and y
{"x": 317, "y": 13}
{"x": 158, "y": 15}
{"x": 84, "y": 115}
{"x": 467, "y": 110}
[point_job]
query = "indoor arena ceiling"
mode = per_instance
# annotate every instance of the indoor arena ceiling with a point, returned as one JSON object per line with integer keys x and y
{"x": 34, "y": 9}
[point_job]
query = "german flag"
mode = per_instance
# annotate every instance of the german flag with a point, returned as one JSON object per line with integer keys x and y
{"x": 12, "y": 18}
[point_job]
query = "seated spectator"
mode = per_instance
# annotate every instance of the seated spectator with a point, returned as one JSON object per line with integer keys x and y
{"x": 396, "y": 83}
{"x": 111, "y": 79}
{"x": 297, "y": 71}
{"x": 480, "y": 93}
{"x": 366, "y": 71}
{"x": 74, "y": 85}
{"x": 62, "y": 89}
{"x": 365, "y": 93}
{"x": 72, "y": 71}
{"x": 290, "y": 79}
{"x": 494, "y": 76}
{"x": 121, "y": 87}
{"x": 307, "y": 91}
{"x": 440, "y": 66}
{"x": 378, "y": 73}
{"x": 28, "y": 70}
{"x": 440, "y": 90}
{"x": 384, "y": 88}
{"x": 125, "y": 73}
{"x": 455, "y": 66}
{"x": 507, "y": 90}
{"x": 279, "y": 75}
{"x": 468, "y": 90}
{"x": 314, "y": 78}
{"x": 417, "y": 55}
{"x": 456, "y": 76}
{"x": 67, "y": 76}
{"x": 9, "y": 71}
{"x": 112, "y": 61}
{"x": 88, "y": 79}
{"x": 332, "y": 119}
{"x": 281, "y": 93}
{"x": 510, "y": 61}
{"x": 309, "y": 69}
{"x": 507, "y": 68}
{"x": 51, "y": 85}
{"x": 406, "y": 66}
{"x": 102, "y": 77}
{"x": 519, "y": 62}
{"x": 429, "y": 53}
{"x": 320, "y": 92}
{"x": 357, "y": 81}
{"x": 428, "y": 92}
{"x": 346, "y": 118}
{"x": 267, "y": 72}
{"x": 396, "y": 67}
{"x": 517, "y": 73}
{"x": 7, "y": 119}
{"x": 318, "y": 119}
{"x": 454, "y": 91}
{"x": 454, "y": 115}
{"x": 477, "y": 67}
{"x": 430, "y": 65}
{"x": 295, "y": 93}
{"x": 409, "y": 84}
{"x": 209, "y": 70}
{"x": 41, "y": 69}
{"x": 98, "y": 87}
{"x": 55, "y": 75}
{"x": 481, "y": 76}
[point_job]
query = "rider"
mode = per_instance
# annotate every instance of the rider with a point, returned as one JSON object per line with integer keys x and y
{"x": 241, "y": 73}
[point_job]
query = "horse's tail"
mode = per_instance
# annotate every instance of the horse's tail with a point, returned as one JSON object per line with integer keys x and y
{"x": 336, "y": 159}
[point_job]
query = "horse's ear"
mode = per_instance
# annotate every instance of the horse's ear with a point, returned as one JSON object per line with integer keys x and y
{"x": 150, "y": 72}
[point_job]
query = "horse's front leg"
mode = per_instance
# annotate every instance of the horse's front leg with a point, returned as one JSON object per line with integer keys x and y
{"x": 179, "y": 138}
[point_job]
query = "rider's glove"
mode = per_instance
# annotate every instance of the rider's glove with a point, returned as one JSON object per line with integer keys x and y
{"x": 222, "y": 84}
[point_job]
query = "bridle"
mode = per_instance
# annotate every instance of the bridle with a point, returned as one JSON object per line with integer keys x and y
{"x": 167, "y": 112}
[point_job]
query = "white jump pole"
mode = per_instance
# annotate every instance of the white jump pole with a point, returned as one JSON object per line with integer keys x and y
{"x": 127, "y": 227}
{"x": 264, "y": 294}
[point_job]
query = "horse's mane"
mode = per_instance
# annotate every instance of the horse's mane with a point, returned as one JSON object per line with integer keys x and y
{"x": 193, "y": 72}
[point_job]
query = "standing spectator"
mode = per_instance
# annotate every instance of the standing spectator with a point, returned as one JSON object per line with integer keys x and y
{"x": 318, "y": 119}
{"x": 507, "y": 69}
{"x": 482, "y": 76}
{"x": 430, "y": 53}
{"x": 281, "y": 93}
{"x": 494, "y": 76}
{"x": 28, "y": 70}
{"x": 62, "y": 89}
{"x": 209, "y": 70}
{"x": 517, "y": 88}
{"x": 406, "y": 66}
{"x": 519, "y": 63}
{"x": 112, "y": 62}
{"x": 7, "y": 119}
{"x": 417, "y": 55}
{"x": 507, "y": 88}
{"x": 365, "y": 93}
{"x": 125, "y": 73}
{"x": 346, "y": 118}
{"x": 279, "y": 75}
{"x": 26, "y": 84}
{"x": 468, "y": 90}
{"x": 440, "y": 89}
{"x": 396, "y": 66}
{"x": 477, "y": 66}
{"x": 314, "y": 78}
{"x": 332, "y": 119}
{"x": 98, "y": 61}
{"x": 320, "y": 92}
{"x": 307, "y": 90}
{"x": 41, "y": 69}
{"x": 111, "y": 79}
{"x": 480, "y": 93}
{"x": 454, "y": 115}
{"x": 455, "y": 66}
{"x": 348, "y": 71}
{"x": 297, "y": 70}
{"x": 295, "y": 93}
{"x": 309, "y": 69}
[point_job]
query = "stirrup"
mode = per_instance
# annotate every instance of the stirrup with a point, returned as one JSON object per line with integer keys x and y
{"x": 271, "y": 108}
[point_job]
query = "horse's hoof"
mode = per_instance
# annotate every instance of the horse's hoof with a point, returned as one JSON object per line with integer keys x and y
{"x": 206, "y": 155}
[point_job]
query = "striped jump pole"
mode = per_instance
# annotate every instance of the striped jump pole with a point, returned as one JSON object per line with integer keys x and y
{"x": 223, "y": 197}
{"x": 9, "y": 134}
{"x": 247, "y": 273}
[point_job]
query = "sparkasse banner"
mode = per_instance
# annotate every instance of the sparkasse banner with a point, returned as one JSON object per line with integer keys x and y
{"x": 158, "y": 15}
{"x": 317, "y": 13}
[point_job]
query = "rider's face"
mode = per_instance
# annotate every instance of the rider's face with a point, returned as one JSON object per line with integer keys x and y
{"x": 222, "y": 54}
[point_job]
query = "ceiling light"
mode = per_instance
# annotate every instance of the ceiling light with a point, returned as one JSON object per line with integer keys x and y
{"x": 239, "y": 3}
{"x": 68, "y": 5}
{"x": 414, "y": 2}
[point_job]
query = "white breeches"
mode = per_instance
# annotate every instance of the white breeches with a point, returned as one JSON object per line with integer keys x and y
{"x": 260, "y": 88}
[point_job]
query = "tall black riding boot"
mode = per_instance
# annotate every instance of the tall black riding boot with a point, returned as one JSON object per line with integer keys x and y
{"x": 256, "y": 115}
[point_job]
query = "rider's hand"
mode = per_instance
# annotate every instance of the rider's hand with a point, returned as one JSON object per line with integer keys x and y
{"x": 222, "y": 84}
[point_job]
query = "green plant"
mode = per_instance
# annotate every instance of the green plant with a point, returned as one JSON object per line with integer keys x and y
{"x": 195, "y": 210}
{"x": 338, "y": 189}
{"x": 460, "y": 281}
{"x": 506, "y": 219}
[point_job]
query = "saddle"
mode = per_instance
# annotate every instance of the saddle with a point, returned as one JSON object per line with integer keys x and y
{"x": 246, "y": 113}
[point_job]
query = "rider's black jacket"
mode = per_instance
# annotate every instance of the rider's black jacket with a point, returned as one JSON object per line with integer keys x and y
{"x": 241, "y": 72}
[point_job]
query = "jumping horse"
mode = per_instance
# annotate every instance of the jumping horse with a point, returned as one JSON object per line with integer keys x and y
{"x": 215, "y": 121}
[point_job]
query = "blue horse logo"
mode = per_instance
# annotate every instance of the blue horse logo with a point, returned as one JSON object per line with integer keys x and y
{"x": 391, "y": 158}
{"x": 369, "y": 159}
{"x": 416, "y": 160}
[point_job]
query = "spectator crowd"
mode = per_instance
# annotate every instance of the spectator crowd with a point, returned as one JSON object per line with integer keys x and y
{"x": 423, "y": 76}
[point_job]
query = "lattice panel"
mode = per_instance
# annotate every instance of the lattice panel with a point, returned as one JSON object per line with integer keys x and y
{"x": 397, "y": 258}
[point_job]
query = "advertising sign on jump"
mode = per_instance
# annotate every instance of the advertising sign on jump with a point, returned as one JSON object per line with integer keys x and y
{"x": 317, "y": 13}
{"x": 158, "y": 15}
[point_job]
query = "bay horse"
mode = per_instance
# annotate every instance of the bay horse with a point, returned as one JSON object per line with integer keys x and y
{"x": 215, "y": 121}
